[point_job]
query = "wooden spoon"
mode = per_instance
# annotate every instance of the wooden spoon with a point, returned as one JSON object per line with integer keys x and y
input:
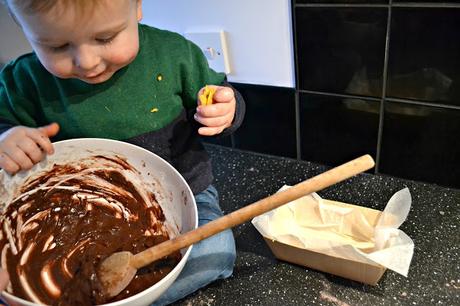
{"x": 117, "y": 270}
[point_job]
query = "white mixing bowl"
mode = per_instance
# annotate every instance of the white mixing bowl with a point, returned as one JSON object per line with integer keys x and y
{"x": 177, "y": 202}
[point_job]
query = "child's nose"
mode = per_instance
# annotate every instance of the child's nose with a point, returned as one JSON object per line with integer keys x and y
{"x": 85, "y": 58}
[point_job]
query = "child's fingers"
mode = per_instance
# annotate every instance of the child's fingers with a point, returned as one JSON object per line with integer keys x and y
{"x": 224, "y": 95}
{"x": 4, "y": 279}
{"x": 220, "y": 94}
{"x": 215, "y": 110}
{"x": 210, "y": 131}
{"x": 50, "y": 130}
{"x": 214, "y": 121}
{"x": 7, "y": 164}
{"x": 19, "y": 157}
{"x": 31, "y": 149}
{"x": 216, "y": 116}
{"x": 41, "y": 139}
{"x": 214, "y": 126}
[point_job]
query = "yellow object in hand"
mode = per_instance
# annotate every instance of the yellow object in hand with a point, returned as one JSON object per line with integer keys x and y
{"x": 208, "y": 94}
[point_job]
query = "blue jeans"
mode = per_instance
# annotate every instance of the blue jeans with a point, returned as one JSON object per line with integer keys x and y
{"x": 210, "y": 259}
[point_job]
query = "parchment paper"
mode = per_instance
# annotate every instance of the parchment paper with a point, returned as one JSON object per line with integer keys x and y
{"x": 345, "y": 232}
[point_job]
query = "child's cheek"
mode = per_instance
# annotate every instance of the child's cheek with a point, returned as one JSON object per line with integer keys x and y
{"x": 63, "y": 68}
{"x": 122, "y": 59}
{"x": 125, "y": 55}
{"x": 58, "y": 66}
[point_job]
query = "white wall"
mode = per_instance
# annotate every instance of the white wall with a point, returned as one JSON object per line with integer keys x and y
{"x": 12, "y": 41}
{"x": 259, "y": 33}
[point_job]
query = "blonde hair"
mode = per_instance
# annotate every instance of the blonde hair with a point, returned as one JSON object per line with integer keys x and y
{"x": 31, "y": 7}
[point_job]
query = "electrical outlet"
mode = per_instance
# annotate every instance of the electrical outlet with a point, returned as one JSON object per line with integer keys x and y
{"x": 214, "y": 47}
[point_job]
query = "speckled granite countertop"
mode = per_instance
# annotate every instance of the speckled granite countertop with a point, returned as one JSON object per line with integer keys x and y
{"x": 260, "y": 279}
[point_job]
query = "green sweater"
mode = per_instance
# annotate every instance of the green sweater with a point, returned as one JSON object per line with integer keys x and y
{"x": 166, "y": 75}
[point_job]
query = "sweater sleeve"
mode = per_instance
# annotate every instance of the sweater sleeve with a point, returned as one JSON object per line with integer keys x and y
{"x": 15, "y": 107}
{"x": 197, "y": 74}
{"x": 6, "y": 121}
{"x": 240, "y": 111}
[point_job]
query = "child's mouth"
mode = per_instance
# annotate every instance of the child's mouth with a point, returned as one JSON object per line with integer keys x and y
{"x": 93, "y": 76}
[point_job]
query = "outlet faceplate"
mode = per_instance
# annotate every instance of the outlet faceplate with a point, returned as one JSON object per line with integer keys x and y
{"x": 214, "y": 47}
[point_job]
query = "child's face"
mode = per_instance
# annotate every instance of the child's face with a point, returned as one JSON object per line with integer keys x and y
{"x": 91, "y": 47}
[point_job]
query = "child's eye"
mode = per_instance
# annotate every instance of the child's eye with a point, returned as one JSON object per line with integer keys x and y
{"x": 107, "y": 40}
{"x": 59, "y": 48}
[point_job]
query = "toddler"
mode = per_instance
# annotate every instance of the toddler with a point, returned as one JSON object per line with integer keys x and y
{"x": 96, "y": 72}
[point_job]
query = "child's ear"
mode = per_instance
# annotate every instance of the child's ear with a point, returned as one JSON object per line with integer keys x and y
{"x": 139, "y": 10}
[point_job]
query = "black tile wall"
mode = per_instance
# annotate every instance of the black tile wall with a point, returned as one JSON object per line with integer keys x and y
{"x": 366, "y": 86}
{"x": 421, "y": 143}
{"x": 428, "y": 1}
{"x": 341, "y": 50}
{"x": 339, "y": 46}
{"x": 335, "y": 130}
{"x": 270, "y": 124}
{"x": 342, "y": 1}
{"x": 424, "y": 56}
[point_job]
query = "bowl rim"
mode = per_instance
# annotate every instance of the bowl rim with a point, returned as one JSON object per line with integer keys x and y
{"x": 179, "y": 265}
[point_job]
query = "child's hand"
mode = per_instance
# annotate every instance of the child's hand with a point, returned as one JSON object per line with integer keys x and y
{"x": 219, "y": 115}
{"x": 22, "y": 147}
{"x": 4, "y": 279}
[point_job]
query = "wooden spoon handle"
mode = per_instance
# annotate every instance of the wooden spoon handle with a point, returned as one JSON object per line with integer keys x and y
{"x": 246, "y": 213}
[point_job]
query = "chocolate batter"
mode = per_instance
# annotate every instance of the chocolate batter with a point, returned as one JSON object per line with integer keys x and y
{"x": 68, "y": 219}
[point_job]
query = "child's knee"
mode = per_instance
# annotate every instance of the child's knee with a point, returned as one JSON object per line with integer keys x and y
{"x": 216, "y": 254}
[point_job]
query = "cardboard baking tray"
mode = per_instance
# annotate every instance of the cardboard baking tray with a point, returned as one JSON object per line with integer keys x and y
{"x": 355, "y": 270}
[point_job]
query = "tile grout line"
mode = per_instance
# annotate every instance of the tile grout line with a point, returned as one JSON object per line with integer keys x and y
{"x": 384, "y": 90}
{"x": 297, "y": 126}
{"x": 341, "y": 5}
{"x": 374, "y": 99}
{"x": 369, "y": 5}
{"x": 296, "y": 73}
{"x": 338, "y": 95}
{"x": 425, "y": 5}
{"x": 423, "y": 103}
